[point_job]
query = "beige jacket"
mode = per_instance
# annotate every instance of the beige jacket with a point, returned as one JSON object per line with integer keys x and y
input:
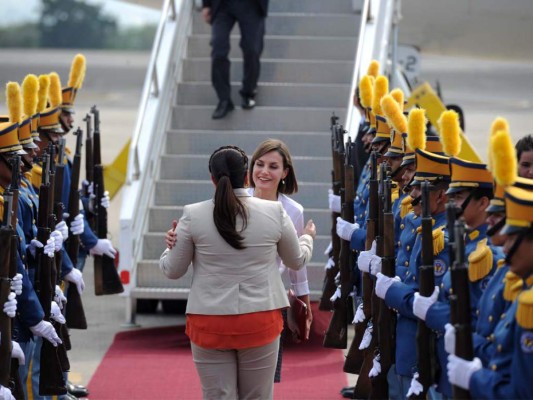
{"x": 227, "y": 281}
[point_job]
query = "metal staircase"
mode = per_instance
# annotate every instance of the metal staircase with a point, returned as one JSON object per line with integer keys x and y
{"x": 307, "y": 70}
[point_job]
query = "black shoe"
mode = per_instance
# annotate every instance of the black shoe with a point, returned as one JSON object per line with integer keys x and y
{"x": 247, "y": 103}
{"x": 348, "y": 393}
{"x": 223, "y": 108}
{"x": 77, "y": 390}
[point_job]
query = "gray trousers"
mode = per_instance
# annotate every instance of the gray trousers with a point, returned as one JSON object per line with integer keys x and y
{"x": 244, "y": 374}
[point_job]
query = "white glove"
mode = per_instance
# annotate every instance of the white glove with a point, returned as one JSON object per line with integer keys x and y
{"x": 460, "y": 371}
{"x": 336, "y": 295}
{"x": 33, "y": 246}
{"x": 421, "y": 303}
{"x": 345, "y": 229}
{"x": 75, "y": 276}
{"x": 55, "y": 313}
{"x": 16, "y": 284}
{"x": 63, "y": 228}
{"x": 329, "y": 264}
{"x": 5, "y": 393}
{"x": 383, "y": 284}
{"x": 416, "y": 387}
{"x": 363, "y": 261}
{"x": 334, "y": 201}
{"x": 330, "y": 247}
{"x": 17, "y": 352}
{"x": 103, "y": 246}
{"x": 359, "y": 315}
{"x": 104, "y": 202}
{"x": 77, "y": 225}
{"x": 58, "y": 240}
{"x": 376, "y": 367}
{"x": 367, "y": 337}
{"x": 45, "y": 330}
{"x": 449, "y": 339}
{"x": 10, "y": 306}
{"x": 50, "y": 247}
{"x": 375, "y": 265}
{"x": 59, "y": 297}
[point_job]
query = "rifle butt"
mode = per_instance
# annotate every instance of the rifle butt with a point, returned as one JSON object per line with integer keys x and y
{"x": 74, "y": 312}
{"x": 65, "y": 337}
{"x": 363, "y": 386}
{"x": 5, "y": 331}
{"x": 106, "y": 279}
{"x": 355, "y": 357}
{"x": 336, "y": 336}
{"x": 15, "y": 383}
{"x": 380, "y": 385}
{"x": 51, "y": 381}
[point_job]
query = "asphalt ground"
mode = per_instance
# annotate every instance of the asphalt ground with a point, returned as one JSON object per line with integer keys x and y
{"x": 485, "y": 88}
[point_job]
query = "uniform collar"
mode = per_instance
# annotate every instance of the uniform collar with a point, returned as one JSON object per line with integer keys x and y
{"x": 477, "y": 234}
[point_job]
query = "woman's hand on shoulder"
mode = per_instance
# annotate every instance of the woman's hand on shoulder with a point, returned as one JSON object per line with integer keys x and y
{"x": 310, "y": 229}
{"x": 171, "y": 237}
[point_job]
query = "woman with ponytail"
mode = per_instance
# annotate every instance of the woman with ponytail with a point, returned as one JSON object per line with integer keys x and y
{"x": 233, "y": 310}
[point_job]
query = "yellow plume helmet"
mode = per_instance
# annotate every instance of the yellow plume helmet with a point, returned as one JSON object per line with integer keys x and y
{"x": 398, "y": 95}
{"x": 366, "y": 91}
{"x": 54, "y": 91}
{"x": 499, "y": 124}
{"x": 381, "y": 88}
{"x": 30, "y": 96}
{"x": 373, "y": 68}
{"x": 44, "y": 85}
{"x": 450, "y": 132}
{"x": 416, "y": 129}
{"x": 394, "y": 114}
{"x": 14, "y": 102}
{"x": 503, "y": 158}
{"x": 77, "y": 71}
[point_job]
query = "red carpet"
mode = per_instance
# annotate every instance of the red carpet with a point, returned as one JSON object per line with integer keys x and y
{"x": 157, "y": 364}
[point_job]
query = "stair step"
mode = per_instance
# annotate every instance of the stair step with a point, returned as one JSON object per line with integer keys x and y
{"x": 286, "y": 47}
{"x": 259, "y": 119}
{"x": 160, "y": 217}
{"x": 297, "y": 24}
{"x": 205, "y": 142}
{"x": 270, "y": 94}
{"x": 318, "y": 6}
{"x": 180, "y": 192}
{"x": 193, "y": 166}
{"x": 276, "y": 70}
{"x": 154, "y": 245}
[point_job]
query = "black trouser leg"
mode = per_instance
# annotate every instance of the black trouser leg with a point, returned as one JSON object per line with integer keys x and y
{"x": 220, "y": 48}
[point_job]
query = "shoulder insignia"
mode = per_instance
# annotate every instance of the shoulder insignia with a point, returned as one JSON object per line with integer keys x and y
{"x": 473, "y": 235}
{"x": 438, "y": 240}
{"x": 395, "y": 193}
{"x": 36, "y": 176}
{"x": 406, "y": 206}
{"x": 524, "y": 311}
{"x": 501, "y": 262}
{"x": 68, "y": 151}
{"x": 513, "y": 286}
{"x": 480, "y": 261}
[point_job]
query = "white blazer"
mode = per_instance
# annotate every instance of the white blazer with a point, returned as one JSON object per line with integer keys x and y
{"x": 227, "y": 281}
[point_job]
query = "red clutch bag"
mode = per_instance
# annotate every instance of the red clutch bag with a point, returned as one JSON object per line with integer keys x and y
{"x": 297, "y": 313}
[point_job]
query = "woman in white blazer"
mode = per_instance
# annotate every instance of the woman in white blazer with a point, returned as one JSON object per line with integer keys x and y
{"x": 233, "y": 309}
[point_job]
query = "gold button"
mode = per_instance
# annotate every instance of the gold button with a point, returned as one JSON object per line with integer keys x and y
{"x": 23, "y": 257}
{"x": 406, "y": 263}
{"x": 500, "y": 348}
{"x": 412, "y": 231}
{"x": 414, "y": 277}
{"x": 407, "y": 273}
{"x": 490, "y": 318}
{"x": 399, "y": 243}
{"x": 33, "y": 221}
{"x": 493, "y": 297}
{"x": 20, "y": 239}
{"x": 493, "y": 367}
{"x": 477, "y": 312}
{"x": 402, "y": 226}
{"x": 408, "y": 247}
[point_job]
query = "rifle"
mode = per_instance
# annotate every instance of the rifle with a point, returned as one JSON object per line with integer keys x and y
{"x": 15, "y": 384}
{"x": 387, "y": 317}
{"x": 6, "y": 234}
{"x": 425, "y": 339}
{"x": 337, "y": 333}
{"x": 461, "y": 289}
{"x": 363, "y": 388}
{"x": 89, "y": 169}
{"x": 51, "y": 381}
{"x": 74, "y": 312}
{"x": 106, "y": 278}
{"x": 329, "y": 286}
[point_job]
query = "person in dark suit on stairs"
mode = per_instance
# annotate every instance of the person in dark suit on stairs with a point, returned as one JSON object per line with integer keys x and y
{"x": 222, "y": 15}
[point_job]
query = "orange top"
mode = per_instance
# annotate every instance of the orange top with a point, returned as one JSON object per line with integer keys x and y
{"x": 239, "y": 331}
